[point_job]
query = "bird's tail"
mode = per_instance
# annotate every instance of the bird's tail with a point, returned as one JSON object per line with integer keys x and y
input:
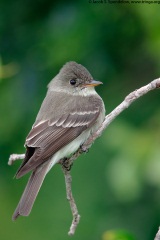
{"x": 30, "y": 193}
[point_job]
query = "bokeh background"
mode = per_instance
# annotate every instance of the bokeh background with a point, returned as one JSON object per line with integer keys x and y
{"x": 117, "y": 184}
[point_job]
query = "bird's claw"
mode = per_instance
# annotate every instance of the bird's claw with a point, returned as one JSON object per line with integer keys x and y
{"x": 66, "y": 164}
{"x": 84, "y": 149}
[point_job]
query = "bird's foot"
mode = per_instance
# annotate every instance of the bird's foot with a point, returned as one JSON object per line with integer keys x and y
{"x": 83, "y": 149}
{"x": 67, "y": 164}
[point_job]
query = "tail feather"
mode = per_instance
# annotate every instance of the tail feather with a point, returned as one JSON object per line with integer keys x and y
{"x": 30, "y": 193}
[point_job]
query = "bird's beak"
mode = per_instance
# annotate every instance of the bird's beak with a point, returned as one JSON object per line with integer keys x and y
{"x": 93, "y": 83}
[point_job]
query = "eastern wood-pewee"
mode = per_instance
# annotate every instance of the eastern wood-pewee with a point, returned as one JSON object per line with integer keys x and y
{"x": 70, "y": 113}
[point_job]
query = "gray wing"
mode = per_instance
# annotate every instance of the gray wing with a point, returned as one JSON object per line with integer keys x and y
{"x": 48, "y": 136}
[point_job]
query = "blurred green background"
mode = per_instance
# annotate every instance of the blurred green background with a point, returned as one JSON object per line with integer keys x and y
{"x": 117, "y": 184}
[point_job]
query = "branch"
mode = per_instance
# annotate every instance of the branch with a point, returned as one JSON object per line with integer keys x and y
{"x": 75, "y": 214}
{"x": 157, "y": 237}
{"x": 14, "y": 157}
{"x": 120, "y": 108}
{"x": 84, "y": 148}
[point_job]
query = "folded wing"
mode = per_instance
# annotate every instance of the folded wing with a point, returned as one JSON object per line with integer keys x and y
{"x": 49, "y": 136}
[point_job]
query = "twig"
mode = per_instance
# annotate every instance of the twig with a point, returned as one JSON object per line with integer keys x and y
{"x": 120, "y": 108}
{"x": 75, "y": 214}
{"x": 157, "y": 237}
{"x": 84, "y": 148}
{"x": 14, "y": 157}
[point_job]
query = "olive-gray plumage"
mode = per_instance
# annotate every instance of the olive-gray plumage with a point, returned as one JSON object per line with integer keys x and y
{"x": 70, "y": 112}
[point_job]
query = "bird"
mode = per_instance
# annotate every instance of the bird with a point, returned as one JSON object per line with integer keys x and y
{"x": 70, "y": 113}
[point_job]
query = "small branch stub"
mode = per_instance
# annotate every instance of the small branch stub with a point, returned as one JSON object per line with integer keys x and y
{"x": 14, "y": 157}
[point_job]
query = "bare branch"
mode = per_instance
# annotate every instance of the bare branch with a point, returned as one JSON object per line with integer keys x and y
{"x": 157, "y": 237}
{"x": 14, "y": 157}
{"x": 120, "y": 108}
{"x": 84, "y": 148}
{"x": 75, "y": 214}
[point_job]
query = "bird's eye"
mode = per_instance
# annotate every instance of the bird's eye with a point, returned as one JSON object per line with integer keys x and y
{"x": 73, "y": 81}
